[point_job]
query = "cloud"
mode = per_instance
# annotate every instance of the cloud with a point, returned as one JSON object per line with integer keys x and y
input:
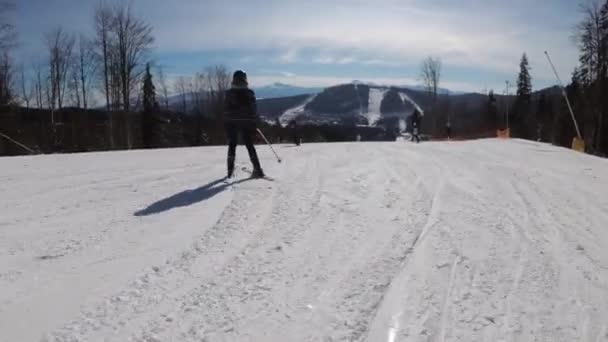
{"x": 486, "y": 36}
{"x": 257, "y": 80}
{"x": 289, "y": 56}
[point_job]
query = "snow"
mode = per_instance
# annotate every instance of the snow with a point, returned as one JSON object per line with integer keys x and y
{"x": 375, "y": 100}
{"x": 293, "y": 113}
{"x": 487, "y": 240}
{"x": 406, "y": 98}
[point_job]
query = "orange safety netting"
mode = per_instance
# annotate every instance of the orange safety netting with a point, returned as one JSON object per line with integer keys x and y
{"x": 503, "y": 133}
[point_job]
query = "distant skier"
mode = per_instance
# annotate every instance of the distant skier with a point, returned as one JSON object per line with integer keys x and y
{"x": 416, "y": 126}
{"x": 448, "y": 130}
{"x": 294, "y": 128}
{"x": 240, "y": 115}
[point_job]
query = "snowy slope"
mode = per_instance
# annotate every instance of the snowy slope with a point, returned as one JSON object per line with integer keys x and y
{"x": 375, "y": 100}
{"x": 463, "y": 241}
{"x": 406, "y": 99}
{"x": 293, "y": 113}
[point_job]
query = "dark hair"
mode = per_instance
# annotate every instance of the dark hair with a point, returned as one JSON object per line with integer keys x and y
{"x": 239, "y": 78}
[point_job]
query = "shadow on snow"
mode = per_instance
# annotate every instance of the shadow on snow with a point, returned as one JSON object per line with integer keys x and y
{"x": 188, "y": 197}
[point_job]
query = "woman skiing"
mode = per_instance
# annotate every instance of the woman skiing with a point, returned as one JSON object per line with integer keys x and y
{"x": 240, "y": 115}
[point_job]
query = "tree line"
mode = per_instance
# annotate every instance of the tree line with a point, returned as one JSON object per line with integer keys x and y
{"x": 113, "y": 65}
{"x": 545, "y": 116}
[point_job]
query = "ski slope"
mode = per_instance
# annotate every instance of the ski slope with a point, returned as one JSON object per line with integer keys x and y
{"x": 293, "y": 113}
{"x": 463, "y": 241}
{"x": 375, "y": 100}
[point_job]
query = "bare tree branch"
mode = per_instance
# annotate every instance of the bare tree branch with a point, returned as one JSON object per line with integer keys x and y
{"x": 164, "y": 89}
{"x": 431, "y": 75}
{"x": 61, "y": 46}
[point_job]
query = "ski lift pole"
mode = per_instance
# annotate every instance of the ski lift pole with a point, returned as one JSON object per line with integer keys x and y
{"x": 578, "y": 131}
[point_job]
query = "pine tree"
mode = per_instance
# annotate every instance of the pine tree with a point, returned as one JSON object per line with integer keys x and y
{"x": 149, "y": 91}
{"x": 524, "y": 80}
{"x": 523, "y": 122}
{"x": 545, "y": 117}
{"x": 491, "y": 111}
{"x": 150, "y": 107}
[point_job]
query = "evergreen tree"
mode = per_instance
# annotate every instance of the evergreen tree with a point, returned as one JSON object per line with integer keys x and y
{"x": 491, "y": 111}
{"x": 524, "y": 80}
{"x": 150, "y": 107}
{"x": 149, "y": 91}
{"x": 544, "y": 115}
{"x": 523, "y": 122}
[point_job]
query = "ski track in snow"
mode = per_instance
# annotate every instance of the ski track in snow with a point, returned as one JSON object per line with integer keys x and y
{"x": 474, "y": 241}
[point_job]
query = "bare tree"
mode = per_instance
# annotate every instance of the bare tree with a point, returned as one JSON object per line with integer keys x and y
{"x": 103, "y": 22}
{"x": 592, "y": 38}
{"x": 114, "y": 79}
{"x": 181, "y": 88}
{"x": 589, "y": 36}
{"x": 200, "y": 92}
{"x": 431, "y": 75}
{"x": 26, "y": 90}
{"x": 134, "y": 39}
{"x": 74, "y": 85}
{"x": 164, "y": 89}
{"x": 37, "y": 84}
{"x": 86, "y": 67}
{"x": 60, "y": 45}
{"x": 6, "y": 79}
{"x": 218, "y": 80}
{"x": 8, "y": 39}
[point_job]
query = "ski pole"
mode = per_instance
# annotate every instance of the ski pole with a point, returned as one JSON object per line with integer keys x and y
{"x": 270, "y": 145}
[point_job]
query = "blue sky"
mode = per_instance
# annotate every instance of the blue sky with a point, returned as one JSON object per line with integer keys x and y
{"x": 326, "y": 42}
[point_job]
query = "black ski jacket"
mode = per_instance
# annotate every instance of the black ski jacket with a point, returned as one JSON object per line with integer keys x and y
{"x": 240, "y": 106}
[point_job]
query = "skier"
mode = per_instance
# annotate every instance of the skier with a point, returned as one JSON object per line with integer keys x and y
{"x": 240, "y": 115}
{"x": 294, "y": 127}
{"x": 448, "y": 130}
{"x": 415, "y": 126}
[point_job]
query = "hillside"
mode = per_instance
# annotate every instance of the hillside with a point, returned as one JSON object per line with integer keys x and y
{"x": 485, "y": 240}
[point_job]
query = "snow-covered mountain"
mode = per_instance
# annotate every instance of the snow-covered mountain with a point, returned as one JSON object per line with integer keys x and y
{"x": 487, "y": 240}
{"x": 357, "y": 102}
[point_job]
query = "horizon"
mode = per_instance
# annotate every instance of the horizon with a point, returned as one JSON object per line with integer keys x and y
{"x": 480, "y": 43}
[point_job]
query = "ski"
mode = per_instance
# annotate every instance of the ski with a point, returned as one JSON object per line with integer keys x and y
{"x": 246, "y": 170}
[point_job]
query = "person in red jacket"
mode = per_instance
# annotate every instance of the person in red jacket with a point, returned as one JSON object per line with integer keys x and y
{"x": 240, "y": 116}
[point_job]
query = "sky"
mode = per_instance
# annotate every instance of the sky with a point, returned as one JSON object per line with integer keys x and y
{"x": 318, "y": 43}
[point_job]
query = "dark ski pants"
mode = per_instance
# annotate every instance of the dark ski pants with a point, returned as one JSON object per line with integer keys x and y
{"x": 248, "y": 134}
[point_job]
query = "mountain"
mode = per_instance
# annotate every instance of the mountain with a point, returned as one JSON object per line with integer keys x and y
{"x": 355, "y": 103}
{"x": 276, "y": 90}
{"x": 372, "y": 105}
